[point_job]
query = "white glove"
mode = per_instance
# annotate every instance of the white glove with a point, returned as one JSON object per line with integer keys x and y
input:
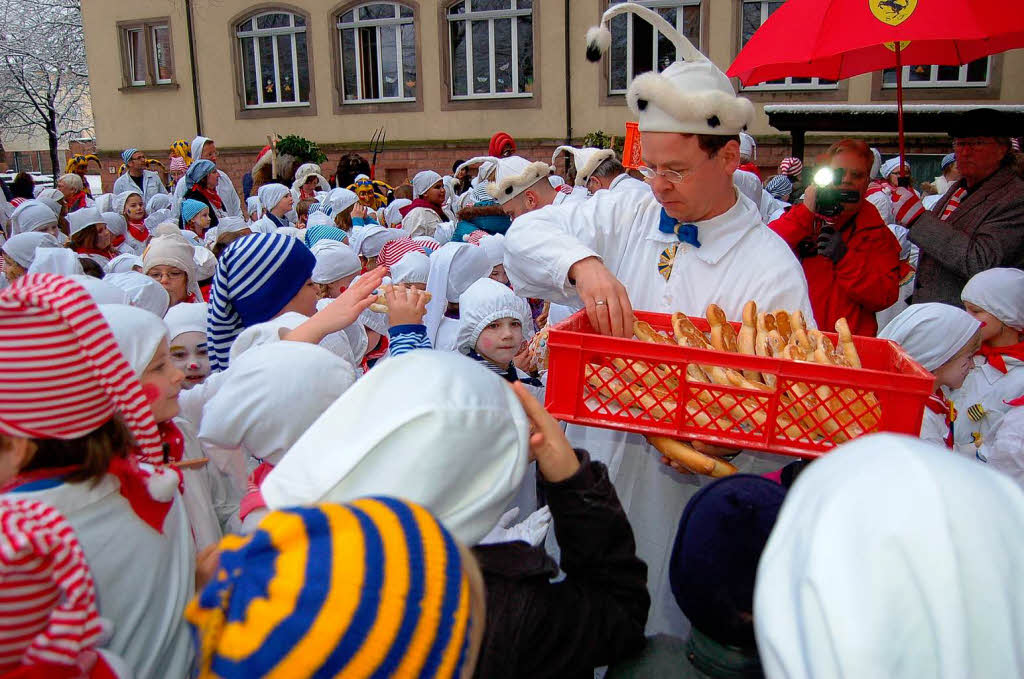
{"x": 906, "y": 206}
{"x": 532, "y": 530}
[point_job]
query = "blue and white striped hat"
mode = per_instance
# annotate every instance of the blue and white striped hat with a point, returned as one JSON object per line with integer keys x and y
{"x": 256, "y": 277}
{"x": 127, "y": 154}
{"x": 321, "y": 207}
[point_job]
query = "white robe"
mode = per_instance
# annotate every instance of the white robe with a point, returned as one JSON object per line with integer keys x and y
{"x": 624, "y": 182}
{"x": 144, "y": 579}
{"x": 1003, "y": 448}
{"x": 151, "y": 185}
{"x": 225, "y": 189}
{"x": 422, "y": 221}
{"x": 570, "y": 195}
{"x": 211, "y": 501}
{"x": 990, "y": 389}
{"x": 740, "y": 259}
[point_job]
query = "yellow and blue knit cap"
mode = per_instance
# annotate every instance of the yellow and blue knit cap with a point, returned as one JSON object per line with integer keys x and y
{"x": 182, "y": 149}
{"x": 374, "y": 587}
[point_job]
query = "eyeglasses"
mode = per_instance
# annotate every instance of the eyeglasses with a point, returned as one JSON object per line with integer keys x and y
{"x": 174, "y": 275}
{"x": 971, "y": 143}
{"x": 672, "y": 175}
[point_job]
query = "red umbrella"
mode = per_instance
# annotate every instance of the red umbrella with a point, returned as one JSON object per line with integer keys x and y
{"x": 838, "y": 39}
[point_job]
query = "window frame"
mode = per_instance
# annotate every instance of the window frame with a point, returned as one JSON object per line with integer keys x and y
{"x": 630, "y": 18}
{"x": 146, "y": 28}
{"x": 788, "y": 85}
{"x": 469, "y": 16}
{"x": 255, "y": 34}
{"x": 933, "y": 83}
{"x": 397, "y": 21}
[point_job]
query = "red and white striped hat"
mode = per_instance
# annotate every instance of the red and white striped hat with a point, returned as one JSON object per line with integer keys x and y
{"x": 48, "y": 598}
{"x": 791, "y": 167}
{"x": 64, "y": 375}
{"x": 394, "y": 250}
{"x": 474, "y": 236}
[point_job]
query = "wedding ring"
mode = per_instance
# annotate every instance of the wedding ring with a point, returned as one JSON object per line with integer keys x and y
{"x": 600, "y": 302}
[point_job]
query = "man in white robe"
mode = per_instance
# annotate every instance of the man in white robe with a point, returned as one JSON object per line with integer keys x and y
{"x": 203, "y": 147}
{"x": 693, "y": 241}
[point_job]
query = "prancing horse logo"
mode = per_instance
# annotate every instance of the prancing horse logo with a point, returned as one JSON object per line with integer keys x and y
{"x": 892, "y": 12}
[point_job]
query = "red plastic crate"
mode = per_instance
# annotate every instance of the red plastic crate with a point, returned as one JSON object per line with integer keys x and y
{"x": 638, "y": 386}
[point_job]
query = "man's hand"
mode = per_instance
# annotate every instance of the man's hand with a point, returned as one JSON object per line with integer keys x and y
{"x": 605, "y": 298}
{"x": 830, "y": 244}
{"x": 526, "y": 360}
{"x": 811, "y": 197}
{"x": 406, "y": 306}
{"x": 556, "y": 460}
{"x": 906, "y": 206}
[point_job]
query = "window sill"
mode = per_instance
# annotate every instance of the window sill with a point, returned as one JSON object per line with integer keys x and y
{"x": 276, "y": 112}
{"x": 149, "y": 88}
{"x": 379, "y": 106}
{"x": 516, "y": 101}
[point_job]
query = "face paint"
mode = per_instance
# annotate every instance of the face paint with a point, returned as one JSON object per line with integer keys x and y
{"x": 189, "y": 354}
{"x": 500, "y": 341}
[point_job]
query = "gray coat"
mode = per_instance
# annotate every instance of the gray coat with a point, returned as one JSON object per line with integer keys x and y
{"x": 986, "y": 231}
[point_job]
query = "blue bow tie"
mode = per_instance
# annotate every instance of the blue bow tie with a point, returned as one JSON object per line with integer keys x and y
{"x": 686, "y": 233}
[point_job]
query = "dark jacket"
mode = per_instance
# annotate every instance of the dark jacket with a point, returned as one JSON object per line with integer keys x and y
{"x": 985, "y": 232}
{"x": 864, "y": 281}
{"x": 595, "y": 616}
{"x": 698, "y": 657}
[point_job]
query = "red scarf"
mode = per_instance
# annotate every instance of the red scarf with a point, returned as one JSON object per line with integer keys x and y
{"x": 76, "y": 202}
{"x": 994, "y": 355}
{"x": 374, "y": 355}
{"x": 253, "y": 498}
{"x": 938, "y": 404}
{"x": 953, "y": 203}
{"x": 138, "y": 231}
{"x": 94, "y": 251}
{"x": 421, "y": 202}
{"x": 211, "y": 196}
{"x": 132, "y": 481}
{"x": 116, "y": 243}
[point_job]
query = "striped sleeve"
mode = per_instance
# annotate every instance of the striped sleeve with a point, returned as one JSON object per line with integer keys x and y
{"x": 405, "y": 338}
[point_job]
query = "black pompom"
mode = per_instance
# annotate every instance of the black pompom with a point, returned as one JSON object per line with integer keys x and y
{"x": 713, "y": 121}
{"x": 593, "y": 53}
{"x": 508, "y": 190}
{"x": 641, "y": 104}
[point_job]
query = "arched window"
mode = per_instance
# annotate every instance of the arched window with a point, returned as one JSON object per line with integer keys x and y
{"x": 378, "y": 53}
{"x": 491, "y": 48}
{"x": 637, "y": 48}
{"x": 274, "y": 60}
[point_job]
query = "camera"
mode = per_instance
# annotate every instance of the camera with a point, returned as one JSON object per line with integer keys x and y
{"x": 830, "y": 199}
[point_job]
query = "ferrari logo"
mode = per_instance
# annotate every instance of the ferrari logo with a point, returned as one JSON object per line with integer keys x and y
{"x": 892, "y": 12}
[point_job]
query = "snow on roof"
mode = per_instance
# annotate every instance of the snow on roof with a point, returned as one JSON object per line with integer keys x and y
{"x": 880, "y": 109}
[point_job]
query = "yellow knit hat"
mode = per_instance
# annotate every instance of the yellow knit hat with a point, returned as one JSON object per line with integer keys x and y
{"x": 375, "y": 587}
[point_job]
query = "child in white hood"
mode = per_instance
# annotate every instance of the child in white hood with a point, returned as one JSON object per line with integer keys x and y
{"x": 186, "y": 325}
{"x": 942, "y": 338}
{"x": 209, "y": 501}
{"x": 453, "y": 268}
{"x": 996, "y": 298}
{"x": 267, "y": 400}
{"x": 494, "y": 327}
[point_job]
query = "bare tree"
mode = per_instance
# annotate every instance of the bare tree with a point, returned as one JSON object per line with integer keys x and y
{"x": 44, "y": 79}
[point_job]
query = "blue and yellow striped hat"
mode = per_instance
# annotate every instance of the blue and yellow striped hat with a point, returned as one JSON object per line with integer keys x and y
{"x": 375, "y": 587}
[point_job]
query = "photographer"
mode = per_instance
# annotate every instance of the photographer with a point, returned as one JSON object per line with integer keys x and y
{"x": 850, "y": 258}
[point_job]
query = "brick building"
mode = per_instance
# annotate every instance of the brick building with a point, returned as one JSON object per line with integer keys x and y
{"x": 440, "y": 75}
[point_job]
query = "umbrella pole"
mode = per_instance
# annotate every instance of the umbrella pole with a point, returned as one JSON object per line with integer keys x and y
{"x": 899, "y": 107}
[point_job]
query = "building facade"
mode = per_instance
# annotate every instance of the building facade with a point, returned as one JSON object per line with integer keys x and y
{"x": 441, "y": 76}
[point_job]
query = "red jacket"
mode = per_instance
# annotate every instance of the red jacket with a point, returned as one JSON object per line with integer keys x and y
{"x": 866, "y": 279}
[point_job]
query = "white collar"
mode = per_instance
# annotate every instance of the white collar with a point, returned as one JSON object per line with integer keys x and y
{"x": 719, "y": 234}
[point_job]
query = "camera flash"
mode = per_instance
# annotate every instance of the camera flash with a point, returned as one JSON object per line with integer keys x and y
{"x": 823, "y": 177}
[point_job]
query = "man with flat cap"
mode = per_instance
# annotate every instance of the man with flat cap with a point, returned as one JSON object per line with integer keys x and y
{"x": 978, "y": 224}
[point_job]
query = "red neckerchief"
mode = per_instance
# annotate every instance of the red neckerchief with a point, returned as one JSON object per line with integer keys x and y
{"x": 994, "y": 355}
{"x": 132, "y": 481}
{"x": 116, "y": 243}
{"x": 138, "y": 231}
{"x": 382, "y": 348}
{"x": 173, "y": 441}
{"x": 306, "y": 195}
{"x": 421, "y": 202}
{"x": 953, "y": 203}
{"x": 938, "y": 404}
{"x": 76, "y": 201}
{"x": 253, "y": 498}
{"x": 206, "y": 292}
{"x": 94, "y": 251}
{"x": 1019, "y": 401}
{"x": 211, "y": 196}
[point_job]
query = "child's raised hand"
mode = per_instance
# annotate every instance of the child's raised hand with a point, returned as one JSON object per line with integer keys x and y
{"x": 556, "y": 460}
{"x": 406, "y": 305}
{"x": 342, "y": 312}
{"x": 359, "y": 210}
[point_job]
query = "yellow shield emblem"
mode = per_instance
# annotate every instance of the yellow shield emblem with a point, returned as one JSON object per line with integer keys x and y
{"x": 892, "y": 12}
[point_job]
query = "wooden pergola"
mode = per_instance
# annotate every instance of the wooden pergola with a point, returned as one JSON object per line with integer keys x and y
{"x": 798, "y": 119}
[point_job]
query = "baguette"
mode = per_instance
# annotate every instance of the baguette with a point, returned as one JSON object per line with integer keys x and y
{"x": 723, "y": 335}
{"x": 846, "y": 344}
{"x": 797, "y": 321}
{"x": 746, "y": 340}
{"x": 690, "y": 458}
{"x": 783, "y": 324}
{"x": 381, "y": 305}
